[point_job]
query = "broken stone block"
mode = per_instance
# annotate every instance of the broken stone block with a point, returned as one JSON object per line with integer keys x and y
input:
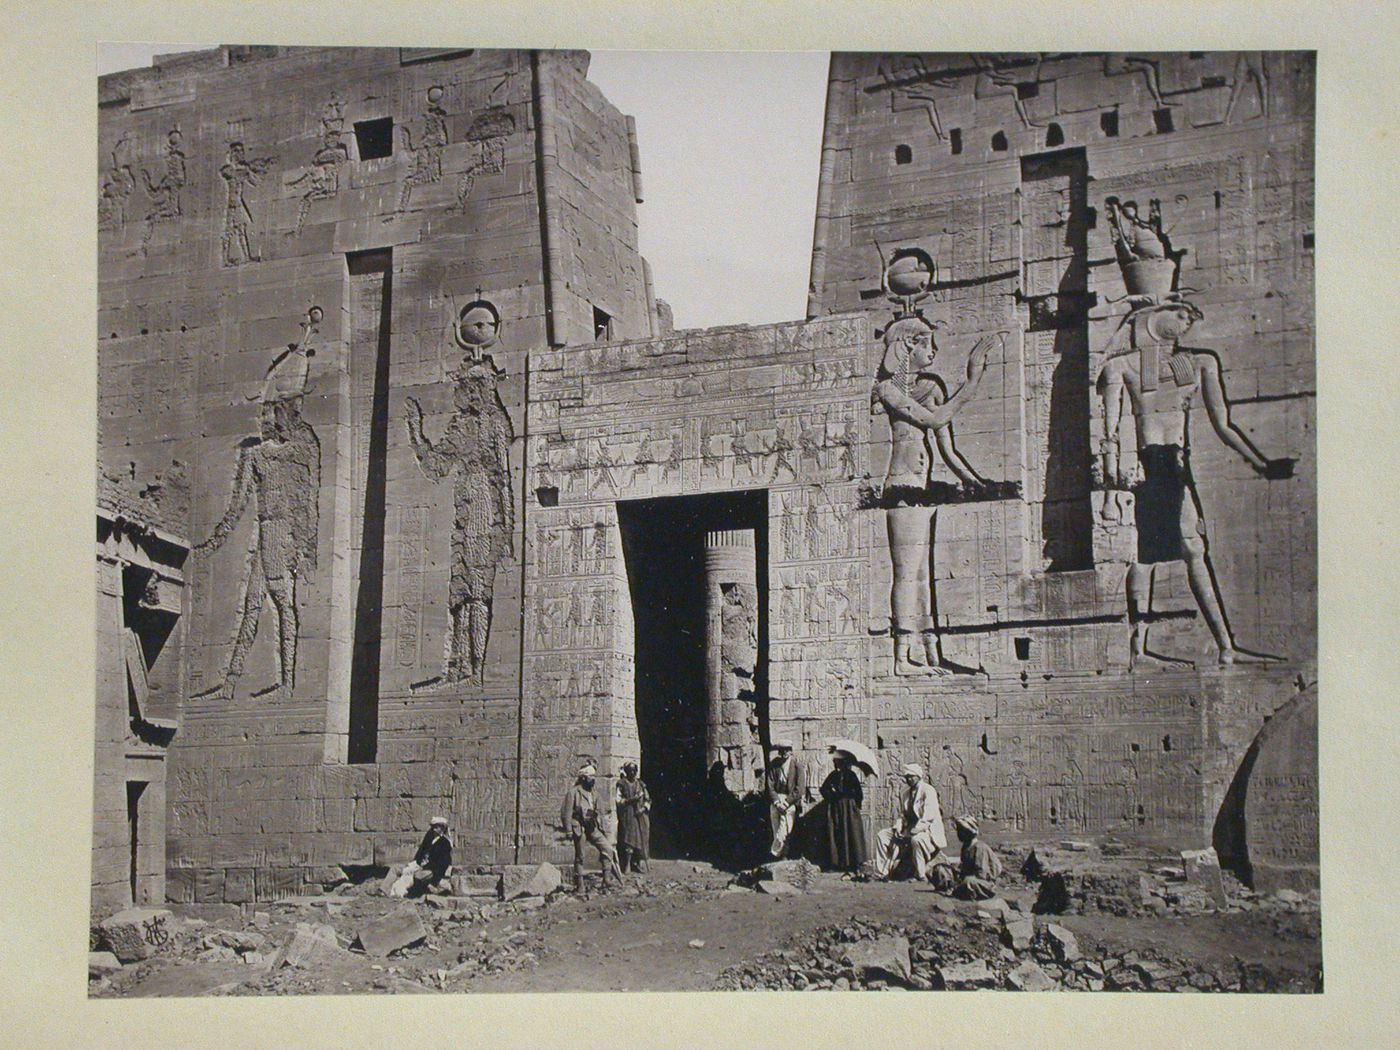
{"x": 529, "y": 880}
{"x": 884, "y": 957}
{"x": 973, "y": 974}
{"x": 309, "y": 944}
{"x": 236, "y": 939}
{"x": 528, "y": 903}
{"x": 217, "y": 954}
{"x": 1029, "y": 977}
{"x": 1018, "y": 934}
{"x": 100, "y": 964}
{"x": 389, "y": 933}
{"x": 133, "y": 934}
{"x": 476, "y": 885}
{"x": 800, "y": 873}
{"x": 778, "y": 889}
{"x": 1064, "y": 946}
{"x": 1203, "y": 870}
{"x": 1076, "y": 846}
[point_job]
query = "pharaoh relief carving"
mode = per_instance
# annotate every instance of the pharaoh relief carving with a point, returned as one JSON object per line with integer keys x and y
{"x": 487, "y": 138}
{"x": 322, "y": 179}
{"x": 473, "y": 452}
{"x": 279, "y": 470}
{"x": 164, "y": 192}
{"x": 240, "y": 174}
{"x": 1161, "y": 378}
{"x": 117, "y": 184}
{"x": 921, "y": 412}
{"x": 425, "y": 155}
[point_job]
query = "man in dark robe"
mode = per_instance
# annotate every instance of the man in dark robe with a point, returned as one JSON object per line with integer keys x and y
{"x": 845, "y": 832}
{"x": 433, "y": 861}
{"x": 633, "y": 820}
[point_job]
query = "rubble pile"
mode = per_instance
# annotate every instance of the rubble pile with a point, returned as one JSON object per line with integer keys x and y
{"x": 995, "y": 947}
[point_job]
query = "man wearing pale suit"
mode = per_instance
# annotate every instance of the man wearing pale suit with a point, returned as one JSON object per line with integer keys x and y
{"x": 786, "y": 792}
{"x": 919, "y": 829}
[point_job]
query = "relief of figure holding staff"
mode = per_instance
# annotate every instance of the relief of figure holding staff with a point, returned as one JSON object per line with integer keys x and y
{"x": 473, "y": 451}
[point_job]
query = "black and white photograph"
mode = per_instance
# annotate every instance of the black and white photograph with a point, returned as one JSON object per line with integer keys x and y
{"x": 696, "y": 509}
{"x": 469, "y": 621}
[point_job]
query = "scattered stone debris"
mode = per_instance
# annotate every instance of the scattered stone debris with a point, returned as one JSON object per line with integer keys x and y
{"x": 100, "y": 964}
{"x": 973, "y": 974}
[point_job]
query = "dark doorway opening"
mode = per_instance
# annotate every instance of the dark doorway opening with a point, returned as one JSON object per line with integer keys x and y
{"x": 134, "y": 790}
{"x": 663, "y": 540}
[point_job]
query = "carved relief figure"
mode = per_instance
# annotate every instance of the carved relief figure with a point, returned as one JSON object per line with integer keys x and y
{"x": 1120, "y": 64}
{"x": 919, "y": 408}
{"x": 117, "y": 184}
{"x": 994, "y": 78}
{"x": 281, "y": 470}
{"x": 239, "y": 174}
{"x": 1161, "y": 381}
{"x": 165, "y": 193}
{"x": 473, "y": 451}
{"x": 911, "y": 87}
{"x": 488, "y": 134}
{"x": 1249, "y": 71}
{"x": 427, "y": 154}
{"x": 322, "y": 179}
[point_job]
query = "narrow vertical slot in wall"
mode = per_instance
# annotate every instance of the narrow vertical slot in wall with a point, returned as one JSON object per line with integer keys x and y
{"x": 371, "y": 285}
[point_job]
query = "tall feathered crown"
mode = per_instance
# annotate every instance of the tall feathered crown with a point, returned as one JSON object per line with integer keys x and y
{"x": 1151, "y": 268}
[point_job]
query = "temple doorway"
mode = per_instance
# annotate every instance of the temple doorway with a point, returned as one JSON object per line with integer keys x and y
{"x": 697, "y": 570}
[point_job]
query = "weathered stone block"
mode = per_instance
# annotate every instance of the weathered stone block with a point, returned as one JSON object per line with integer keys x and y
{"x": 537, "y": 880}
{"x": 973, "y": 974}
{"x": 100, "y": 964}
{"x": 133, "y": 934}
{"x": 1203, "y": 869}
{"x": 386, "y": 934}
{"x": 467, "y": 885}
{"x": 309, "y": 945}
{"x": 1029, "y": 977}
{"x": 884, "y": 958}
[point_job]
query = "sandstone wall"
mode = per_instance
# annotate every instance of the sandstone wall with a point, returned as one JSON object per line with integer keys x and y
{"x": 238, "y": 189}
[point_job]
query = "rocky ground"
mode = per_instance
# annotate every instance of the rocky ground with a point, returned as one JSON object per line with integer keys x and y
{"x": 1091, "y": 917}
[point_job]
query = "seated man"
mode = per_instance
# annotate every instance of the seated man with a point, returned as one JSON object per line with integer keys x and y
{"x": 978, "y": 869}
{"x": 919, "y": 832}
{"x": 431, "y": 865}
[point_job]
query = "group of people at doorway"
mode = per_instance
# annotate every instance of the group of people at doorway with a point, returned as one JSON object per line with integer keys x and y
{"x": 915, "y": 840}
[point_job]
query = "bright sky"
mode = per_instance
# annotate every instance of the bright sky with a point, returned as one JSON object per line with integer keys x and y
{"x": 731, "y": 146}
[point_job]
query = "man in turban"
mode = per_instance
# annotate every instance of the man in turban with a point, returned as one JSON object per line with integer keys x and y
{"x": 979, "y": 865}
{"x": 917, "y": 834}
{"x": 581, "y": 820}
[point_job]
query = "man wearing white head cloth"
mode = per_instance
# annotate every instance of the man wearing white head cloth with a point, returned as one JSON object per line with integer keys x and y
{"x": 918, "y": 833}
{"x": 581, "y": 819}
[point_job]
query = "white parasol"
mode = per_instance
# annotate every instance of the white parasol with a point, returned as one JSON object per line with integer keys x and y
{"x": 863, "y": 755}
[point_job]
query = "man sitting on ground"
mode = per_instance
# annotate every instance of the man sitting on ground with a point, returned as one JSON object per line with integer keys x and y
{"x": 431, "y": 865}
{"x": 979, "y": 866}
{"x": 918, "y": 835}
